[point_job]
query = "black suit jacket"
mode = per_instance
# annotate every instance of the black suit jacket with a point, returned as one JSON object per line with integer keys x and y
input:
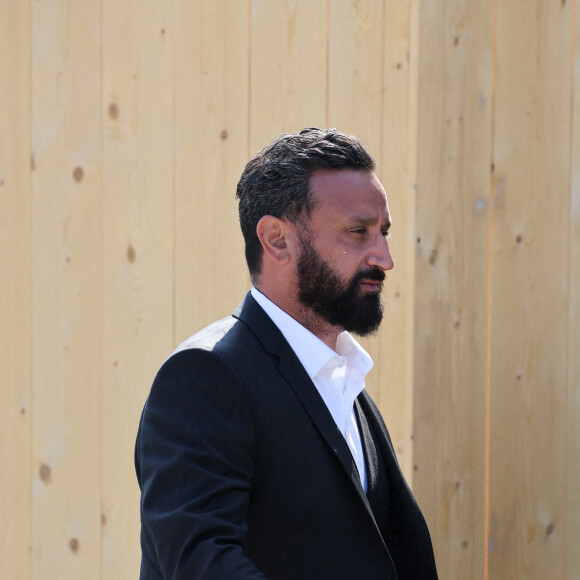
{"x": 244, "y": 474}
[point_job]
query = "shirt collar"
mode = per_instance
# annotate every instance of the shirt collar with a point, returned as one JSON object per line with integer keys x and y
{"x": 358, "y": 358}
{"x": 310, "y": 350}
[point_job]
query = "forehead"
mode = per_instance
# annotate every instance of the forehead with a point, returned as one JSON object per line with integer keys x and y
{"x": 342, "y": 193}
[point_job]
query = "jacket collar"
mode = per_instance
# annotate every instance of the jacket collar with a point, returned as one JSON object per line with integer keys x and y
{"x": 252, "y": 314}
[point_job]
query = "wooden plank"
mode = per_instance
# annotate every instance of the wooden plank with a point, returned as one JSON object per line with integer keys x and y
{"x": 288, "y": 68}
{"x": 138, "y": 164}
{"x": 355, "y": 107}
{"x": 397, "y": 168}
{"x": 355, "y": 70}
{"x": 572, "y": 507}
{"x": 530, "y": 290}
{"x": 15, "y": 291}
{"x": 211, "y": 131}
{"x": 451, "y": 240}
{"x": 66, "y": 289}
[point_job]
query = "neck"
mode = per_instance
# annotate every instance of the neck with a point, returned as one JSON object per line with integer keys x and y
{"x": 321, "y": 329}
{"x": 326, "y": 332}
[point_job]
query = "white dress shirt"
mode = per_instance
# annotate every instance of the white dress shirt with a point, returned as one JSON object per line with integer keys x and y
{"x": 338, "y": 376}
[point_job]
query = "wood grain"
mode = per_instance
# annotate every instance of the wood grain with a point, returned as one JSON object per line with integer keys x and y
{"x": 397, "y": 170}
{"x": 211, "y": 141}
{"x": 530, "y": 290}
{"x": 288, "y": 65}
{"x": 15, "y": 292}
{"x": 572, "y": 498}
{"x": 138, "y": 248}
{"x": 67, "y": 283}
{"x": 355, "y": 70}
{"x": 451, "y": 241}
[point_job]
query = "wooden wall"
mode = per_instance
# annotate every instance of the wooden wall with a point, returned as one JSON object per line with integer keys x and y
{"x": 124, "y": 126}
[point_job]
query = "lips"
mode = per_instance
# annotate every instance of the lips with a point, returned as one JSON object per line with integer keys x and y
{"x": 371, "y": 284}
{"x": 371, "y": 280}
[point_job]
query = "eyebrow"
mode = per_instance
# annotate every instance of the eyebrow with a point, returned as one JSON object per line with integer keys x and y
{"x": 366, "y": 219}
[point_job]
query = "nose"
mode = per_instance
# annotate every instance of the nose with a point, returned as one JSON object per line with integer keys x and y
{"x": 380, "y": 256}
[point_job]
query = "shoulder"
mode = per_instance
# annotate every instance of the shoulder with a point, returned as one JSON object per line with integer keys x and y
{"x": 219, "y": 356}
{"x": 231, "y": 359}
{"x": 209, "y": 337}
{"x": 207, "y": 351}
{"x": 200, "y": 379}
{"x": 223, "y": 338}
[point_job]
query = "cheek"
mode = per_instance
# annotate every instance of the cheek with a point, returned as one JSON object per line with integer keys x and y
{"x": 341, "y": 256}
{"x": 347, "y": 265}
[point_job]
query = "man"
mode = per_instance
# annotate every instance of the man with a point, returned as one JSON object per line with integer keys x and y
{"x": 259, "y": 454}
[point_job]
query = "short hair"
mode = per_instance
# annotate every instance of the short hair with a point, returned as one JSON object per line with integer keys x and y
{"x": 277, "y": 180}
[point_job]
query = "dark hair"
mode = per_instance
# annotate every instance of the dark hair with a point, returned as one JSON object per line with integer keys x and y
{"x": 277, "y": 180}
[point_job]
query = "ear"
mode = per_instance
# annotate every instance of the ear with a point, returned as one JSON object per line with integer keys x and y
{"x": 273, "y": 234}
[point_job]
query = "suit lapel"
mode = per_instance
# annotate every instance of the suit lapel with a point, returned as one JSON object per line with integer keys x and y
{"x": 409, "y": 544}
{"x": 369, "y": 449}
{"x": 295, "y": 375}
{"x": 396, "y": 478}
{"x": 290, "y": 368}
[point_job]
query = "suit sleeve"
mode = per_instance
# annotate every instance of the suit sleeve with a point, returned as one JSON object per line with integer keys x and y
{"x": 194, "y": 460}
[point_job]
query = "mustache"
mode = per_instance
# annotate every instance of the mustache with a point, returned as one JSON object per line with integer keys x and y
{"x": 370, "y": 274}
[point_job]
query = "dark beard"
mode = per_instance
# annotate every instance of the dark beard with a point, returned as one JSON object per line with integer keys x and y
{"x": 338, "y": 303}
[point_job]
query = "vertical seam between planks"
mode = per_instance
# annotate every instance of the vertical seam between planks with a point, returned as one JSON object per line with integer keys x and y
{"x": 569, "y": 286}
{"x": 412, "y": 152}
{"x": 380, "y": 157}
{"x": 489, "y": 304}
{"x": 381, "y": 123}
{"x": 102, "y": 258}
{"x": 31, "y": 448}
{"x": 249, "y": 105}
{"x": 173, "y": 180}
{"x": 327, "y": 76}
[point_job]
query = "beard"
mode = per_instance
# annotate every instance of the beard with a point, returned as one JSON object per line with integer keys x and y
{"x": 339, "y": 303}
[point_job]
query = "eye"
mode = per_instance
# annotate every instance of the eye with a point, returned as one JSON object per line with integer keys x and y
{"x": 386, "y": 234}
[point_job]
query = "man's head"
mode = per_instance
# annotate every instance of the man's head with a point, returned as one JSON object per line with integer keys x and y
{"x": 276, "y": 181}
{"x": 315, "y": 218}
